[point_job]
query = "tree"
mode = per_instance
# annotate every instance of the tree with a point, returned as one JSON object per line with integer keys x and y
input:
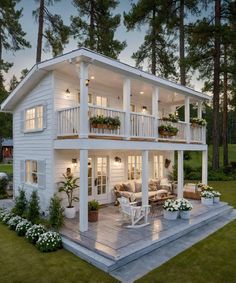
{"x": 158, "y": 47}
{"x": 13, "y": 83}
{"x": 95, "y": 26}
{"x": 52, "y": 28}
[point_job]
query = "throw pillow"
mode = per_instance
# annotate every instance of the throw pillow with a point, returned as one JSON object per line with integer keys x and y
{"x": 138, "y": 187}
{"x": 128, "y": 187}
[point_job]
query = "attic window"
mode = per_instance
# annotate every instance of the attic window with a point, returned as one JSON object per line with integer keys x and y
{"x": 34, "y": 119}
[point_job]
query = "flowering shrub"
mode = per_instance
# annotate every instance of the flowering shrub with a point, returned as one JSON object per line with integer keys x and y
{"x": 22, "y": 227}
{"x": 185, "y": 205}
{"x": 206, "y": 188}
{"x": 216, "y": 194}
{"x": 49, "y": 242}
{"x": 34, "y": 232}
{"x": 207, "y": 194}
{"x": 171, "y": 205}
{"x": 7, "y": 217}
{"x": 2, "y": 214}
{"x": 12, "y": 223}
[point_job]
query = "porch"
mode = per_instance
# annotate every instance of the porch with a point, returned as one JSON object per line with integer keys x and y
{"x": 108, "y": 244}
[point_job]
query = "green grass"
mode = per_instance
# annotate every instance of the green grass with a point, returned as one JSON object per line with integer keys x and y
{"x": 7, "y": 168}
{"x": 211, "y": 260}
{"x": 21, "y": 262}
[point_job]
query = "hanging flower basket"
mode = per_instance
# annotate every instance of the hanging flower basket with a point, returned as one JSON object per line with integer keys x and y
{"x": 167, "y": 130}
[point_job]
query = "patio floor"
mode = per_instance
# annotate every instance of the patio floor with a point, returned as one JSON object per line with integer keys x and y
{"x": 110, "y": 238}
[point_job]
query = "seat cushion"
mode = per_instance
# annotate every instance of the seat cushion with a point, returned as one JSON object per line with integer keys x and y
{"x": 138, "y": 187}
{"x": 138, "y": 196}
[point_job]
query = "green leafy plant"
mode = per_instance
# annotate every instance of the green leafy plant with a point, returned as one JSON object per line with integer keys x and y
{"x": 93, "y": 205}
{"x": 12, "y": 223}
{"x": 56, "y": 218}
{"x": 21, "y": 203}
{"x": 34, "y": 232}
{"x": 171, "y": 118}
{"x": 109, "y": 122}
{"x": 167, "y": 130}
{"x": 49, "y": 242}
{"x": 22, "y": 227}
{"x": 68, "y": 186}
{"x": 7, "y": 216}
{"x": 3, "y": 187}
{"x": 33, "y": 213}
{"x": 198, "y": 121}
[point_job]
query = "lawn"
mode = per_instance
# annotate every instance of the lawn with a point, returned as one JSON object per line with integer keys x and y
{"x": 21, "y": 262}
{"x": 211, "y": 260}
{"x": 7, "y": 168}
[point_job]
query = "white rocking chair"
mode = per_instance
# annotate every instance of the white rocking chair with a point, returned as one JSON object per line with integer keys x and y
{"x": 135, "y": 213}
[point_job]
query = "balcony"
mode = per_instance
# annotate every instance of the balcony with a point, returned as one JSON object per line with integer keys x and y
{"x": 139, "y": 126}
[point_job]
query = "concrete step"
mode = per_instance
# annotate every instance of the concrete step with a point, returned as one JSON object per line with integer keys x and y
{"x": 134, "y": 252}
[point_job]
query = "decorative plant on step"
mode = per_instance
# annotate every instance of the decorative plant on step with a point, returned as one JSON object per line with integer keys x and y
{"x": 68, "y": 186}
{"x": 171, "y": 209}
{"x": 185, "y": 207}
{"x": 198, "y": 122}
{"x": 207, "y": 197}
{"x": 93, "y": 207}
{"x": 167, "y": 130}
{"x": 172, "y": 118}
{"x": 216, "y": 196}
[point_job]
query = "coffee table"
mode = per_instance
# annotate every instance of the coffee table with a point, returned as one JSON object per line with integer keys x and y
{"x": 156, "y": 205}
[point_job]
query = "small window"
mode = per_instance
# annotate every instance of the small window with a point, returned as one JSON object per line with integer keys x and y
{"x": 158, "y": 166}
{"x": 101, "y": 101}
{"x": 31, "y": 172}
{"x": 134, "y": 167}
{"x": 34, "y": 119}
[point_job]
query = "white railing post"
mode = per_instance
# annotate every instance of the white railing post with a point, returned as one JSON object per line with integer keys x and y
{"x": 180, "y": 174}
{"x": 145, "y": 176}
{"x": 187, "y": 118}
{"x": 83, "y": 100}
{"x": 155, "y": 97}
{"x": 204, "y": 167}
{"x": 126, "y": 106}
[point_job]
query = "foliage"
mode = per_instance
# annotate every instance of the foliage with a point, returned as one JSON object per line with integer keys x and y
{"x": 21, "y": 203}
{"x": 111, "y": 122}
{"x": 216, "y": 193}
{"x": 34, "y": 232}
{"x": 56, "y": 218}
{"x": 207, "y": 194}
{"x": 171, "y": 205}
{"x": 93, "y": 205}
{"x": 49, "y": 242}
{"x": 185, "y": 205}
{"x": 171, "y": 118}
{"x": 13, "y": 221}
{"x": 22, "y": 227}
{"x": 95, "y": 25}
{"x": 170, "y": 130}
{"x": 7, "y": 216}
{"x": 33, "y": 213}
{"x": 198, "y": 121}
{"x": 3, "y": 187}
{"x": 68, "y": 186}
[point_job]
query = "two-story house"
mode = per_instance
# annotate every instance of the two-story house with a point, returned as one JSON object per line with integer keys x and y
{"x": 52, "y": 130}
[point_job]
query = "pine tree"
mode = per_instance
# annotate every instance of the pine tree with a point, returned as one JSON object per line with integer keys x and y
{"x": 52, "y": 28}
{"x": 95, "y": 26}
{"x": 13, "y": 83}
{"x": 158, "y": 47}
{"x": 21, "y": 203}
{"x": 33, "y": 214}
{"x": 56, "y": 218}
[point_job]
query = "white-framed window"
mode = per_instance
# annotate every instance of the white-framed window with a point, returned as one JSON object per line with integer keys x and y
{"x": 134, "y": 167}
{"x": 34, "y": 119}
{"x": 31, "y": 172}
{"x": 158, "y": 166}
{"x": 101, "y": 101}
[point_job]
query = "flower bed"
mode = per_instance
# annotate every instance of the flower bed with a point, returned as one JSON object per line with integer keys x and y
{"x": 13, "y": 221}
{"x": 7, "y": 216}
{"x": 23, "y": 227}
{"x": 49, "y": 242}
{"x": 34, "y": 232}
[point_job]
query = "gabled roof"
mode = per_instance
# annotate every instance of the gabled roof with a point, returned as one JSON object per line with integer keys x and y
{"x": 7, "y": 142}
{"x": 39, "y": 71}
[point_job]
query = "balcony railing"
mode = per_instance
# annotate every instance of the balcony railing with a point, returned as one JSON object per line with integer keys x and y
{"x": 141, "y": 126}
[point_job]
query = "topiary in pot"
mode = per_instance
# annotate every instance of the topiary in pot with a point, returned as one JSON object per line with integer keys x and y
{"x": 93, "y": 207}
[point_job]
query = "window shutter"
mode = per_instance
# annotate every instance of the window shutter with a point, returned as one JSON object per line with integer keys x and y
{"x": 22, "y": 121}
{"x": 22, "y": 172}
{"x": 45, "y": 116}
{"x": 41, "y": 174}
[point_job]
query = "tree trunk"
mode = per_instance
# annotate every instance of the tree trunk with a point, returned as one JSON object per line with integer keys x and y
{"x": 182, "y": 44}
{"x": 153, "y": 43}
{"x": 40, "y": 32}
{"x": 225, "y": 111}
{"x": 216, "y": 88}
{"x": 91, "y": 28}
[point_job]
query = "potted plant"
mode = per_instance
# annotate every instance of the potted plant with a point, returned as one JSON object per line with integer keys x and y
{"x": 167, "y": 130}
{"x": 206, "y": 188}
{"x": 171, "y": 209}
{"x": 185, "y": 207}
{"x": 198, "y": 122}
{"x": 171, "y": 118}
{"x": 216, "y": 198}
{"x": 207, "y": 197}
{"x": 93, "y": 207}
{"x": 68, "y": 186}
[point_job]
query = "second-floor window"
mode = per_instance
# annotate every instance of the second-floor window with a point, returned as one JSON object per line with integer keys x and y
{"x": 34, "y": 118}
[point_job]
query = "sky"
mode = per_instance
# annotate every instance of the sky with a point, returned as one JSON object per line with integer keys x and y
{"x": 26, "y": 58}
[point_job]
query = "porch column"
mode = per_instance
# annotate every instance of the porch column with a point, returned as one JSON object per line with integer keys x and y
{"x": 199, "y": 109}
{"x": 126, "y": 106}
{"x": 83, "y": 191}
{"x": 83, "y": 122}
{"x": 180, "y": 176}
{"x": 187, "y": 117}
{"x": 155, "y": 97}
{"x": 145, "y": 174}
{"x": 204, "y": 166}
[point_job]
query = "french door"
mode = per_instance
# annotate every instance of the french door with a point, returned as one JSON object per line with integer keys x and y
{"x": 98, "y": 178}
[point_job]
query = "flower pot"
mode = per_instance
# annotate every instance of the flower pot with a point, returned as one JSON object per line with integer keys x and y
{"x": 70, "y": 212}
{"x": 170, "y": 215}
{"x": 93, "y": 216}
{"x": 185, "y": 214}
{"x": 164, "y": 133}
{"x": 207, "y": 201}
{"x": 94, "y": 126}
{"x": 216, "y": 199}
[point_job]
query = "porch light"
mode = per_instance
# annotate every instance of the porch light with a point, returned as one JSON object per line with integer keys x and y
{"x": 74, "y": 162}
{"x": 87, "y": 82}
{"x": 144, "y": 108}
{"x": 117, "y": 159}
{"x": 141, "y": 92}
{"x": 67, "y": 92}
{"x": 92, "y": 77}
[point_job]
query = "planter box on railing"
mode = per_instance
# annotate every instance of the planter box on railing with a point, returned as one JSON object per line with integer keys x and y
{"x": 101, "y": 122}
{"x": 167, "y": 131}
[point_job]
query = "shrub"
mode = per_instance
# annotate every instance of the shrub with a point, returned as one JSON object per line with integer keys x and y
{"x": 56, "y": 218}
{"x": 12, "y": 223}
{"x": 22, "y": 227}
{"x": 3, "y": 187}
{"x": 34, "y": 232}
{"x": 185, "y": 205}
{"x": 93, "y": 205}
{"x": 21, "y": 203}
{"x": 49, "y": 242}
{"x": 33, "y": 214}
{"x": 7, "y": 217}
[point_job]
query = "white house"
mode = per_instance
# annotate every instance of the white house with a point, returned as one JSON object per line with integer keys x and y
{"x": 52, "y": 107}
